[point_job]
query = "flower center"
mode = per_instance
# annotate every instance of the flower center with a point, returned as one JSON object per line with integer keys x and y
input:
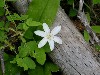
{"x": 49, "y": 36}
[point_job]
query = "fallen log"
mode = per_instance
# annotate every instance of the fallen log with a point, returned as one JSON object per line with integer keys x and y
{"x": 74, "y": 56}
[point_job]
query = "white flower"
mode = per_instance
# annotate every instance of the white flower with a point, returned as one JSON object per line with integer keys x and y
{"x": 48, "y": 36}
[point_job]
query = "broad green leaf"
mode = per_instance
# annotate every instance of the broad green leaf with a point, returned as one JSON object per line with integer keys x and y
{"x": 25, "y": 27}
{"x": 21, "y": 63}
{"x": 2, "y": 11}
{"x": 28, "y": 34}
{"x": 96, "y": 29}
{"x": 96, "y": 1}
{"x": 37, "y": 71}
{"x": 72, "y": 12}
{"x": 29, "y": 62}
{"x": 31, "y": 45}
{"x": 23, "y": 52}
{"x": 30, "y": 22}
{"x": 2, "y": 3}
{"x": 20, "y": 26}
{"x": 27, "y": 48}
{"x": 40, "y": 56}
{"x": 14, "y": 60}
{"x": 43, "y": 11}
{"x": 26, "y": 63}
{"x": 50, "y": 67}
{"x": 47, "y": 48}
{"x": 33, "y": 53}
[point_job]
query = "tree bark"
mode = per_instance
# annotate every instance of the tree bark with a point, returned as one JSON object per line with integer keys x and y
{"x": 74, "y": 56}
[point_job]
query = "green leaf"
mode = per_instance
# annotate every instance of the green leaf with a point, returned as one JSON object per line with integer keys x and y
{"x": 26, "y": 63}
{"x": 40, "y": 56}
{"x": 30, "y": 48}
{"x": 17, "y": 17}
{"x": 96, "y": 29}
{"x": 29, "y": 62}
{"x": 2, "y": 3}
{"x": 97, "y": 47}
{"x": 37, "y": 71}
{"x": 47, "y": 48}
{"x": 86, "y": 36}
{"x": 28, "y": 34}
{"x": 14, "y": 60}
{"x": 96, "y": 1}
{"x": 29, "y": 22}
{"x": 43, "y": 11}
{"x": 50, "y": 67}
{"x": 25, "y": 27}
{"x": 2, "y": 11}
{"x": 20, "y": 26}
{"x": 23, "y": 52}
{"x": 27, "y": 48}
{"x": 72, "y": 12}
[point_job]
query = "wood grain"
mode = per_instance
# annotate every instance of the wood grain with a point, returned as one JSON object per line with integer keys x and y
{"x": 74, "y": 56}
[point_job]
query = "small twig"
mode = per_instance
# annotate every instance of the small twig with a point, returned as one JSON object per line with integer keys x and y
{"x": 2, "y": 61}
{"x": 81, "y": 15}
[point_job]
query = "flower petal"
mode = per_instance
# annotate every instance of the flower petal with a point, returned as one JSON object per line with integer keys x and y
{"x": 51, "y": 43}
{"x": 46, "y": 28}
{"x": 56, "y": 30}
{"x": 57, "y": 39}
{"x": 40, "y": 33}
{"x": 42, "y": 42}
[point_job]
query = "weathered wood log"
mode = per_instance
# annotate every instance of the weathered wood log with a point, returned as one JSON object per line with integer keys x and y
{"x": 74, "y": 56}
